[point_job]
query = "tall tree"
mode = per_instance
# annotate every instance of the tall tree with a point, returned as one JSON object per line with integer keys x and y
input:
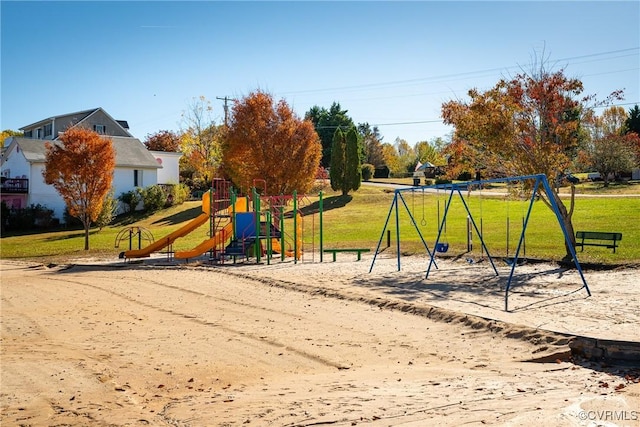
{"x": 632, "y": 123}
{"x": 611, "y": 154}
{"x": 326, "y": 122}
{"x": 609, "y": 151}
{"x": 529, "y": 124}
{"x": 371, "y": 144}
{"x": 426, "y": 152}
{"x": 391, "y": 158}
{"x": 163, "y": 140}
{"x": 81, "y": 169}
{"x": 346, "y": 169}
{"x": 201, "y": 139}
{"x": 406, "y": 156}
{"x": 460, "y": 159}
{"x": 266, "y": 140}
{"x": 353, "y": 164}
{"x": 612, "y": 120}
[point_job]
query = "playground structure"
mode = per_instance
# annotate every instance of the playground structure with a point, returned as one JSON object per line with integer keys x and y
{"x": 456, "y": 189}
{"x": 239, "y": 227}
{"x": 168, "y": 240}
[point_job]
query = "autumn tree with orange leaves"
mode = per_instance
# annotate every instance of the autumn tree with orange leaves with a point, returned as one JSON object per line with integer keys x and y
{"x": 80, "y": 167}
{"x": 163, "y": 140}
{"x": 527, "y": 125}
{"x": 266, "y": 140}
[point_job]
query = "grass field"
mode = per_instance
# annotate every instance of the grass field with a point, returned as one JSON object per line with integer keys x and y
{"x": 357, "y": 220}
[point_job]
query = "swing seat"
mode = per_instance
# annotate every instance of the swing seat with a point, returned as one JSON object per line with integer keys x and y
{"x": 442, "y": 247}
{"x": 509, "y": 261}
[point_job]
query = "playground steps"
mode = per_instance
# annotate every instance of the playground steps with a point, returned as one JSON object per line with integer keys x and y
{"x": 238, "y": 247}
{"x": 274, "y": 231}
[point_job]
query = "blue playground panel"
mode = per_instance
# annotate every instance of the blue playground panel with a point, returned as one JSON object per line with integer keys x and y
{"x": 245, "y": 225}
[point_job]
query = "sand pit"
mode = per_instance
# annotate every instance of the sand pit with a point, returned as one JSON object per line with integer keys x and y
{"x": 109, "y": 343}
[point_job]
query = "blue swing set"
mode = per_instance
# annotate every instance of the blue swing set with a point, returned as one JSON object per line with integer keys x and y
{"x": 440, "y": 246}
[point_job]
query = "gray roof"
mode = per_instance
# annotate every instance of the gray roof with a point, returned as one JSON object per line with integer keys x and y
{"x": 79, "y": 117}
{"x": 83, "y": 115}
{"x": 426, "y": 165}
{"x": 130, "y": 152}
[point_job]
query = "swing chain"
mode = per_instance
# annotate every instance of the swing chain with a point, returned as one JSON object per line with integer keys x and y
{"x": 424, "y": 220}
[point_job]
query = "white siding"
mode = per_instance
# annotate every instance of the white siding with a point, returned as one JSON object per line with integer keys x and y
{"x": 43, "y": 194}
{"x": 16, "y": 164}
{"x": 170, "y": 171}
{"x": 46, "y": 195}
{"x": 123, "y": 179}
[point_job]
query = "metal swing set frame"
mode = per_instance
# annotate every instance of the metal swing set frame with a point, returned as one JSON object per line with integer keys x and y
{"x": 540, "y": 181}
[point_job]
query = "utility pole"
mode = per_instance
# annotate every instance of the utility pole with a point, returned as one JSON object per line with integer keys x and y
{"x": 226, "y": 99}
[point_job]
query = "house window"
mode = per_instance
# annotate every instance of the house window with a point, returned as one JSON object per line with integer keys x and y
{"x": 48, "y": 130}
{"x": 39, "y": 133}
{"x": 137, "y": 178}
{"x": 28, "y": 134}
{"x": 101, "y": 129}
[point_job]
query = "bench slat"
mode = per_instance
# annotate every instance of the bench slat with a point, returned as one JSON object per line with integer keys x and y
{"x": 598, "y": 235}
{"x": 346, "y": 250}
{"x": 335, "y": 251}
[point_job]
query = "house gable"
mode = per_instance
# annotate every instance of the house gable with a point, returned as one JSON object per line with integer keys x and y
{"x": 14, "y": 163}
{"x": 100, "y": 121}
{"x": 95, "y": 119}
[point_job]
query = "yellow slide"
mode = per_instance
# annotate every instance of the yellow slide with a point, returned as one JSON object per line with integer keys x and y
{"x": 275, "y": 247}
{"x": 275, "y": 243}
{"x": 180, "y": 232}
{"x": 220, "y": 237}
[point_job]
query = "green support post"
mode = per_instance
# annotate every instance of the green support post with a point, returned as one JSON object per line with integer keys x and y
{"x": 282, "y": 233}
{"x": 320, "y": 211}
{"x": 233, "y": 213}
{"x": 269, "y": 237}
{"x": 256, "y": 215}
{"x": 295, "y": 227}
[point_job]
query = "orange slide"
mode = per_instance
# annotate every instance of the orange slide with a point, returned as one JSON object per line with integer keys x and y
{"x": 275, "y": 247}
{"x": 275, "y": 243}
{"x": 169, "y": 239}
{"x": 219, "y": 238}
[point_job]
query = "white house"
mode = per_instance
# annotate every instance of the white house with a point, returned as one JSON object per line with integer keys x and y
{"x": 169, "y": 162}
{"x": 23, "y": 160}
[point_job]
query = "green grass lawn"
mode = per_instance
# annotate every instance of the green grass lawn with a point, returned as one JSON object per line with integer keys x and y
{"x": 357, "y": 221}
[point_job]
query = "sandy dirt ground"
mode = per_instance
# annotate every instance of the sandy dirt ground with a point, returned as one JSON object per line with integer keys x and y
{"x": 99, "y": 343}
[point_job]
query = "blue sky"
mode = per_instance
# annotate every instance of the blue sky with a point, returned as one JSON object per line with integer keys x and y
{"x": 390, "y": 64}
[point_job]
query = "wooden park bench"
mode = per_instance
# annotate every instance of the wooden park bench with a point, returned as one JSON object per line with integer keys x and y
{"x": 335, "y": 251}
{"x": 601, "y": 237}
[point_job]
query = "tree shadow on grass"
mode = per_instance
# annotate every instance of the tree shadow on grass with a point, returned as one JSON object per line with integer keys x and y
{"x": 179, "y": 217}
{"x": 71, "y": 236}
{"x": 334, "y": 202}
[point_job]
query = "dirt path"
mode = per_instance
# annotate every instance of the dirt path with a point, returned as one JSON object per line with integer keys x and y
{"x": 190, "y": 347}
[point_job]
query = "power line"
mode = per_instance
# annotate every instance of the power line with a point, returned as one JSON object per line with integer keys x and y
{"x": 450, "y": 76}
{"x": 421, "y": 122}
